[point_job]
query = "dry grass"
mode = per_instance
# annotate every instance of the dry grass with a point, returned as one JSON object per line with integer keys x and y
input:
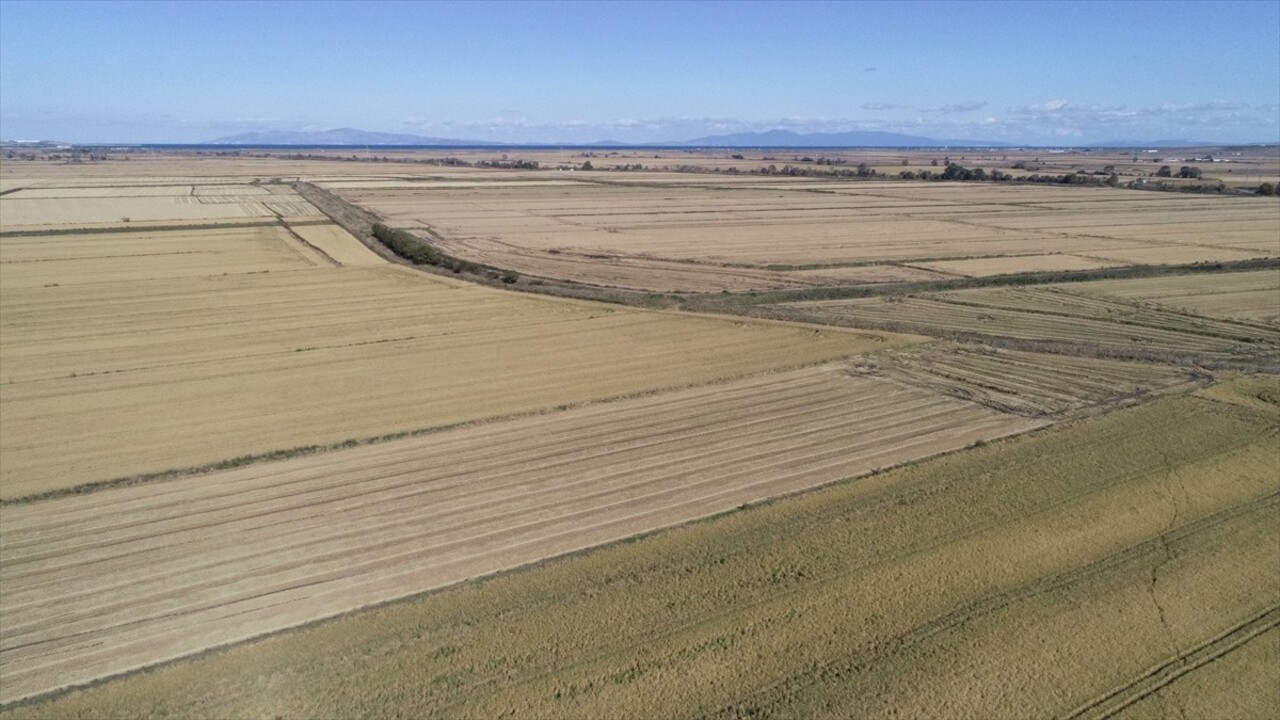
{"x": 1045, "y": 575}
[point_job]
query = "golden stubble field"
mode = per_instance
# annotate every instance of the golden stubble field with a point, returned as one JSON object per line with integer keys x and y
{"x": 176, "y": 341}
{"x": 139, "y": 575}
{"x": 1122, "y": 566}
{"x": 700, "y": 234}
{"x": 126, "y": 352}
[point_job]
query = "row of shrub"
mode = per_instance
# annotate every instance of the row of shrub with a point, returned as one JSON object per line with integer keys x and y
{"x": 419, "y": 252}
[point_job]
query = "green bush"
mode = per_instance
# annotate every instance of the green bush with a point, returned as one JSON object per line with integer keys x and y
{"x": 404, "y": 244}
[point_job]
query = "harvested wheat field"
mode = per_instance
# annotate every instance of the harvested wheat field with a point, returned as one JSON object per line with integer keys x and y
{"x": 1030, "y": 384}
{"x": 986, "y": 267}
{"x": 700, "y": 234}
{"x": 1249, "y": 296}
{"x": 126, "y": 352}
{"x": 984, "y": 582}
{"x": 1051, "y": 316}
{"x": 88, "y": 205}
{"x": 116, "y": 379}
{"x": 100, "y": 584}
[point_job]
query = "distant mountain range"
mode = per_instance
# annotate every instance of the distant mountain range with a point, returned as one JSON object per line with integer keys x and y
{"x": 771, "y": 138}
{"x": 338, "y": 136}
{"x": 767, "y": 139}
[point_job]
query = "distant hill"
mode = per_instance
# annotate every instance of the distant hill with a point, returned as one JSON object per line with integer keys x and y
{"x": 338, "y": 136}
{"x": 771, "y": 138}
{"x": 856, "y": 138}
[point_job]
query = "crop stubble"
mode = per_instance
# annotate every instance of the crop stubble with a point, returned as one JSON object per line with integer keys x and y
{"x": 634, "y": 234}
{"x": 125, "y": 353}
{"x": 987, "y": 582}
{"x": 100, "y": 584}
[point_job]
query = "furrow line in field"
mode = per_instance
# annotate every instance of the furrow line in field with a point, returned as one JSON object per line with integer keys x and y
{"x": 599, "y": 484}
{"x": 757, "y": 456}
{"x": 410, "y": 481}
{"x": 1191, "y": 660}
{"x": 700, "y": 503}
{"x": 994, "y": 602}
{"x": 1005, "y": 380}
{"x": 590, "y": 426}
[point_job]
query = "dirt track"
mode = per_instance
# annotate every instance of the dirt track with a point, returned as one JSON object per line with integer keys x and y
{"x": 96, "y": 585}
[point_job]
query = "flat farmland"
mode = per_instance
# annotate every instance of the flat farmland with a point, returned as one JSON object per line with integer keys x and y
{"x": 86, "y": 205}
{"x": 1250, "y": 296}
{"x": 985, "y": 582}
{"x": 115, "y": 379}
{"x": 129, "y": 352}
{"x": 1024, "y": 383}
{"x": 1051, "y": 316}
{"x": 95, "y": 585}
{"x": 739, "y": 233}
{"x": 79, "y": 258}
{"x": 1013, "y": 264}
{"x": 252, "y": 469}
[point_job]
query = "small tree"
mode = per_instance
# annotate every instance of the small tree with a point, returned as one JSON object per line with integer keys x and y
{"x": 1187, "y": 171}
{"x": 1164, "y": 171}
{"x": 1266, "y": 188}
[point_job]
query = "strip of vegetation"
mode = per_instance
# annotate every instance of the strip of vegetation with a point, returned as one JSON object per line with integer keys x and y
{"x": 419, "y": 252}
{"x": 136, "y": 228}
{"x": 1015, "y": 279}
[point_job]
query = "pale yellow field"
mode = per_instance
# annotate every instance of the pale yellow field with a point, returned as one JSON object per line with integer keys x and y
{"x": 91, "y": 258}
{"x": 89, "y": 208}
{"x": 1181, "y": 254}
{"x": 611, "y": 230}
{"x": 1245, "y": 295}
{"x": 117, "y": 379}
{"x": 983, "y": 267}
{"x": 139, "y": 575}
{"x": 1070, "y": 573}
{"x": 428, "y": 431}
{"x": 337, "y": 245}
{"x": 137, "y": 352}
{"x": 1050, "y": 316}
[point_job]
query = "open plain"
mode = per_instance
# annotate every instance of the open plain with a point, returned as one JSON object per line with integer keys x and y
{"x": 987, "y": 582}
{"x": 223, "y": 423}
{"x": 104, "y": 583}
{"x": 677, "y": 233}
{"x": 126, "y": 352}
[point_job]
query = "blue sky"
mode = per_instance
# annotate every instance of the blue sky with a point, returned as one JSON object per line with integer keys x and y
{"x": 1035, "y": 73}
